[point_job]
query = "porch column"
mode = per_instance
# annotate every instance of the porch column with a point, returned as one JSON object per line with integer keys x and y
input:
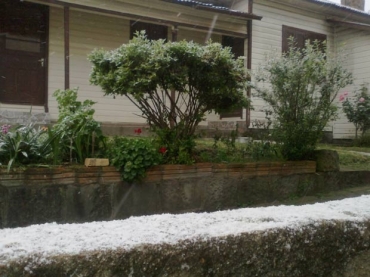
{"x": 66, "y": 47}
{"x": 249, "y": 59}
{"x": 173, "y": 94}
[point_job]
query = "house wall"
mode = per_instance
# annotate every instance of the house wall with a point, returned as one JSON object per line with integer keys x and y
{"x": 356, "y": 44}
{"x": 87, "y": 32}
{"x": 267, "y": 35}
{"x": 90, "y": 31}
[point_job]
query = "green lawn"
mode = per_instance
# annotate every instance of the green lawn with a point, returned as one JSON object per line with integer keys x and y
{"x": 351, "y": 158}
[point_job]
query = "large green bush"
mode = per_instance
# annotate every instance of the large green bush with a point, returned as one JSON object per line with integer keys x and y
{"x": 301, "y": 87}
{"x": 201, "y": 78}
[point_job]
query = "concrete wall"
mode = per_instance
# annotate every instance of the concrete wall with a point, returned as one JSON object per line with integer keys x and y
{"x": 94, "y": 194}
{"x": 319, "y": 249}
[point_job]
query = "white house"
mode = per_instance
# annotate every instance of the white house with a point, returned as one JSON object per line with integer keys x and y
{"x": 44, "y": 46}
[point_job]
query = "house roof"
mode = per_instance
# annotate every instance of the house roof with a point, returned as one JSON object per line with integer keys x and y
{"x": 328, "y": 9}
{"x": 212, "y": 7}
{"x": 344, "y": 15}
{"x": 231, "y": 17}
{"x": 341, "y": 7}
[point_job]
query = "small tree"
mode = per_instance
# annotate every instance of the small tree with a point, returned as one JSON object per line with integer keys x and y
{"x": 174, "y": 84}
{"x": 303, "y": 84}
{"x": 357, "y": 109}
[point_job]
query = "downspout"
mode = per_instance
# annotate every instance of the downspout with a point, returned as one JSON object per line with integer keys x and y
{"x": 66, "y": 48}
{"x": 46, "y": 72}
{"x": 249, "y": 61}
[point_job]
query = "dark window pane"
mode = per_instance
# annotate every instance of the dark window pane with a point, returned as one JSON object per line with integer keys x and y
{"x": 153, "y": 31}
{"x": 237, "y": 48}
{"x": 300, "y": 36}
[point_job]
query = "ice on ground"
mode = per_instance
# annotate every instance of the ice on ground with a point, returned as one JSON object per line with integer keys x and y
{"x": 52, "y": 239}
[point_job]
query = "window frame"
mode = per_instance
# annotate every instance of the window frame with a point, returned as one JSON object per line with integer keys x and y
{"x": 302, "y": 34}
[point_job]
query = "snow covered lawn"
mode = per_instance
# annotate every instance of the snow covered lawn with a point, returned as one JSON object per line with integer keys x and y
{"x": 41, "y": 243}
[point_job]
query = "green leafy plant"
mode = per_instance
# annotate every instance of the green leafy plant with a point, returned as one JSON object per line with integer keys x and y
{"x": 133, "y": 156}
{"x": 178, "y": 150}
{"x": 24, "y": 144}
{"x": 258, "y": 150}
{"x": 174, "y": 84}
{"x": 79, "y": 135}
{"x": 357, "y": 109}
{"x": 302, "y": 85}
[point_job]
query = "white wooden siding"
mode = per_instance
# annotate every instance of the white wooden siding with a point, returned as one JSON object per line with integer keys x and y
{"x": 356, "y": 43}
{"x": 56, "y": 58}
{"x": 87, "y": 32}
{"x": 267, "y": 35}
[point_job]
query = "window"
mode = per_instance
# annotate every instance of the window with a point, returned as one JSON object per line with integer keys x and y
{"x": 153, "y": 31}
{"x": 300, "y": 37}
{"x": 237, "y": 48}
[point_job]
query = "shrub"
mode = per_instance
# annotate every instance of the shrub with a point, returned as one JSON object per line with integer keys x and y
{"x": 363, "y": 141}
{"x": 303, "y": 84}
{"x": 133, "y": 156}
{"x": 78, "y": 135}
{"x": 262, "y": 150}
{"x": 357, "y": 109}
{"x": 174, "y": 84}
{"x": 24, "y": 144}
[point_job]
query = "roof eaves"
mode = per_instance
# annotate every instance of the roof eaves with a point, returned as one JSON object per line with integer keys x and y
{"x": 340, "y": 7}
{"x": 210, "y": 7}
{"x": 355, "y": 25}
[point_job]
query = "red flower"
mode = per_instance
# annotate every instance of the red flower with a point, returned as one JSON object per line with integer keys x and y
{"x": 138, "y": 131}
{"x": 162, "y": 150}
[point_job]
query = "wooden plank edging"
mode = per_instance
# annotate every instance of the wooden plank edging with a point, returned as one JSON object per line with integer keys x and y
{"x": 105, "y": 175}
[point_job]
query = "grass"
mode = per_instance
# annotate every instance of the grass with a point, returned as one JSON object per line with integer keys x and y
{"x": 350, "y": 158}
{"x": 344, "y": 148}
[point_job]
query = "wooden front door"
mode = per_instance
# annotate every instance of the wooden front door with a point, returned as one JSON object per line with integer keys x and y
{"x": 23, "y": 45}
